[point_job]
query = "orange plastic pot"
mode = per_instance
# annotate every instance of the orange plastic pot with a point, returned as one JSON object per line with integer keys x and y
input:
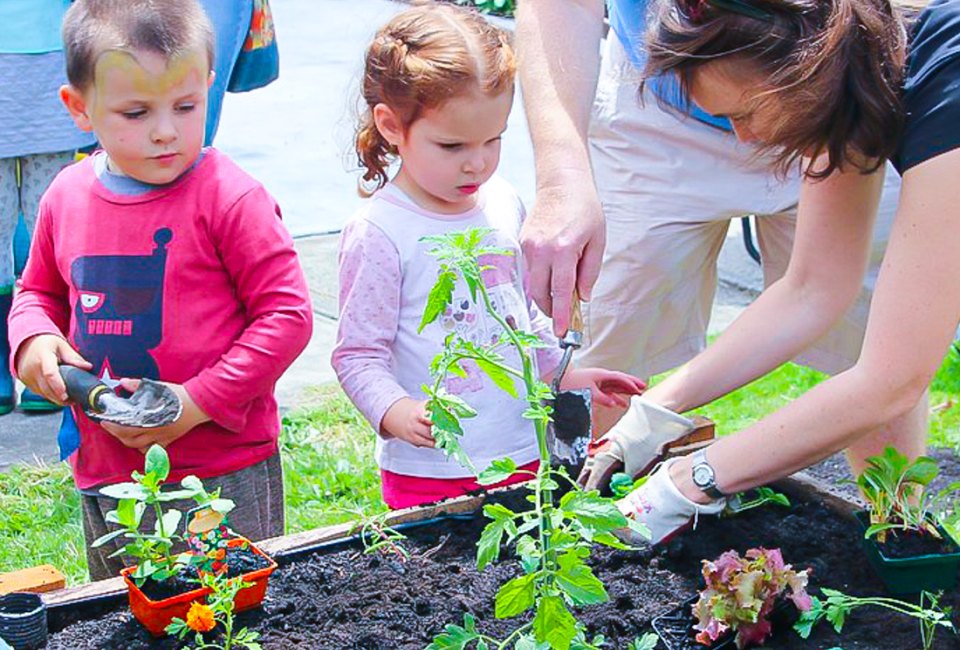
{"x": 156, "y": 615}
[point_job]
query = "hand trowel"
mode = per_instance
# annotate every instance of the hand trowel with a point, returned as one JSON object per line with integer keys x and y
{"x": 152, "y": 405}
{"x": 571, "y": 430}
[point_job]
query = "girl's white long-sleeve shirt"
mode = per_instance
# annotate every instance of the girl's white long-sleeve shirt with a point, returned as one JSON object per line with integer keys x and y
{"x": 386, "y": 274}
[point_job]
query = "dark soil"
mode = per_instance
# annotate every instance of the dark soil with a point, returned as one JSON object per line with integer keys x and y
{"x": 340, "y": 599}
{"x": 915, "y": 544}
{"x": 239, "y": 561}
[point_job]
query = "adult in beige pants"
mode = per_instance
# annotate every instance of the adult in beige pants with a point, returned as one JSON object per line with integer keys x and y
{"x": 658, "y": 188}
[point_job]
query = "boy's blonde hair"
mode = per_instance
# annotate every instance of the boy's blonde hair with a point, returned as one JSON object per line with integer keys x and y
{"x": 422, "y": 58}
{"x": 167, "y": 27}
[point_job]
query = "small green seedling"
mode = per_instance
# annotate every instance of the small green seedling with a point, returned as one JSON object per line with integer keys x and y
{"x": 898, "y": 498}
{"x": 837, "y": 607}
{"x": 218, "y": 610}
{"x": 153, "y": 550}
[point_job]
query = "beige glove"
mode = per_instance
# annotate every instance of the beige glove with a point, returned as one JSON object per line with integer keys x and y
{"x": 634, "y": 444}
{"x": 660, "y": 506}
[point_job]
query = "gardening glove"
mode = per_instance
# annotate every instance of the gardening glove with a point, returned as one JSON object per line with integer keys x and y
{"x": 660, "y": 506}
{"x": 634, "y": 444}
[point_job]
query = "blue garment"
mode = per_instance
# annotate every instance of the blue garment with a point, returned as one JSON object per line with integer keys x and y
{"x": 628, "y": 20}
{"x": 31, "y": 26}
{"x": 231, "y": 22}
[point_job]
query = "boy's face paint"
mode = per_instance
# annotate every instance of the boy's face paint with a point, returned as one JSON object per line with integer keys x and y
{"x": 149, "y": 113}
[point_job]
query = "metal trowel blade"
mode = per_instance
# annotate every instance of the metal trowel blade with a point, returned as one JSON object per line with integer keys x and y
{"x": 152, "y": 405}
{"x": 571, "y": 430}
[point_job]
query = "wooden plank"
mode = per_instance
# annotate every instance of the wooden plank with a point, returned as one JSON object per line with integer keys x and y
{"x": 38, "y": 579}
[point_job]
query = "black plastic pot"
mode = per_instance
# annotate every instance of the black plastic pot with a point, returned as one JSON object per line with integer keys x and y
{"x": 675, "y": 629}
{"x": 904, "y": 576}
{"x": 23, "y": 621}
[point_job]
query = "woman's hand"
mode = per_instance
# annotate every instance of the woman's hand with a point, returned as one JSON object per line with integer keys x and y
{"x": 408, "y": 420}
{"x": 142, "y": 439}
{"x": 608, "y": 388}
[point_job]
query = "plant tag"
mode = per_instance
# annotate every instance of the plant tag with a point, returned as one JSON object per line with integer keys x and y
{"x": 203, "y": 520}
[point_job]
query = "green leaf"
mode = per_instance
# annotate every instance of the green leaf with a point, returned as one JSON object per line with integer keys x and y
{"x": 577, "y": 581}
{"x": 498, "y": 376}
{"x": 100, "y": 541}
{"x": 488, "y": 548}
{"x": 593, "y": 511}
{"x": 440, "y": 296}
{"x": 171, "y": 520}
{"x": 554, "y": 623}
{"x": 157, "y": 463}
{"x": 516, "y": 596}
{"x": 125, "y": 491}
{"x": 499, "y": 470}
{"x": 455, "y": 637}
{"x": 129, "y": 513}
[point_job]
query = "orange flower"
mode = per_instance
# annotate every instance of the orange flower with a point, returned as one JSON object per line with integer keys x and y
{"x": 200, "y": 618}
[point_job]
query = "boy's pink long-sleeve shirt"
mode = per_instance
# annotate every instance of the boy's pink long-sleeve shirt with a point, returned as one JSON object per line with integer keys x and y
{"x": 196, "y": 283}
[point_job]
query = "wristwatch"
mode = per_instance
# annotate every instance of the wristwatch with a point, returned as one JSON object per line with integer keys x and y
{"x": 703, "y": 475}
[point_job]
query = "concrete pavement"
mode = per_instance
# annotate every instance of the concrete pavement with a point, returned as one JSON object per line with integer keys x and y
{"x": 294, "y": 136}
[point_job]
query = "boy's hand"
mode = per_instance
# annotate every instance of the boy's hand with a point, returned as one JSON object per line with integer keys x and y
{"x": 607, "y": 387}
{"x": 37, "y": 365}
{"x": 408, "y": 420}
{"x": 142, "y": 439}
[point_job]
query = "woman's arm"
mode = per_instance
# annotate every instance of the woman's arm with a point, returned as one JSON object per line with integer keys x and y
{"x": 913, "y": 317}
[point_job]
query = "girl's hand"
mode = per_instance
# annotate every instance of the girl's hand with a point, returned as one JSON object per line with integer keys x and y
{"x": 609, "y": 388}
{"x": 37, "y": 365}
{"x": 408, "y": 420}
{"x": 141, "y": 439}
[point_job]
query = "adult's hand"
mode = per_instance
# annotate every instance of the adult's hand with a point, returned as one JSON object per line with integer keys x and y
{"x": 634, "y": 444}
{"x": 563, "y": 240}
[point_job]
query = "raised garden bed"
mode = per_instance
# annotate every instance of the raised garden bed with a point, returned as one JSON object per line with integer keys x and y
{"x": 337, "y": 597}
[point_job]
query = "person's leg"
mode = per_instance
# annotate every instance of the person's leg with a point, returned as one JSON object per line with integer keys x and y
{"x": 9, "y": 214}
{"x": 669, "y": 186}
{"x": 840, "y": 347}
{"x": 36, "y": 173}
{"x": 257, "y": 492}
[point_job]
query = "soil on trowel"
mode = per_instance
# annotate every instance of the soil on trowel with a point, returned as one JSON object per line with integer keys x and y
{"x": 340, "y": 598}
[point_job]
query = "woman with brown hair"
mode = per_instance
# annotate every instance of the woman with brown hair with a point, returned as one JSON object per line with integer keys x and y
{"x": 837, "y": 87}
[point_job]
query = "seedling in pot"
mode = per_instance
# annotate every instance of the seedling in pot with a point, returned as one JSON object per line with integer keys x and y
{"x": 837, "y": 607}
{"x": 553, "y": 539}
{"x": 153, "y": 551}
{"x": 898, "y": 498}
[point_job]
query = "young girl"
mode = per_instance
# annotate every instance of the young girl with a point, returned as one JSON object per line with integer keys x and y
{"x": 438, "y": 86}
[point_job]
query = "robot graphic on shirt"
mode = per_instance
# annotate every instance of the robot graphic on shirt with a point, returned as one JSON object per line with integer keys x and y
{"x": 119, "y": 310}
{"x": 471, "y": 322}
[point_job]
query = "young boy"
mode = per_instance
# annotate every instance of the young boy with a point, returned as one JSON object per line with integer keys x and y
{"x": 158, "y": 258}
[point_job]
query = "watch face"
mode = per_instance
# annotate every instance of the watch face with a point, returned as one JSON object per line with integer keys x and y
{"x": 702, "y": 475}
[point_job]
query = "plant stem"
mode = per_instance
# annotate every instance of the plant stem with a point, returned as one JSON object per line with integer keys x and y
{"x": 543, "y": 496}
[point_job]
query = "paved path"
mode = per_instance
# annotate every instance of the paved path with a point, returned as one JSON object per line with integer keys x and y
{"x": 294, "y": 136}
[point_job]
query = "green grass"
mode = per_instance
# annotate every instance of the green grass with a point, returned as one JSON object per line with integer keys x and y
{"x": 329, "y": 472}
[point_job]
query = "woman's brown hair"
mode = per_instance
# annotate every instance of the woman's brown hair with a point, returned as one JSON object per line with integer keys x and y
{"x": 422, "y": 58}
{"x": 834, "y": 69}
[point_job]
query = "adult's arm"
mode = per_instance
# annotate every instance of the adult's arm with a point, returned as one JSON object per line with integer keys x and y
{"x": 558, "y": 42}
{"x": 913, "y": 317}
